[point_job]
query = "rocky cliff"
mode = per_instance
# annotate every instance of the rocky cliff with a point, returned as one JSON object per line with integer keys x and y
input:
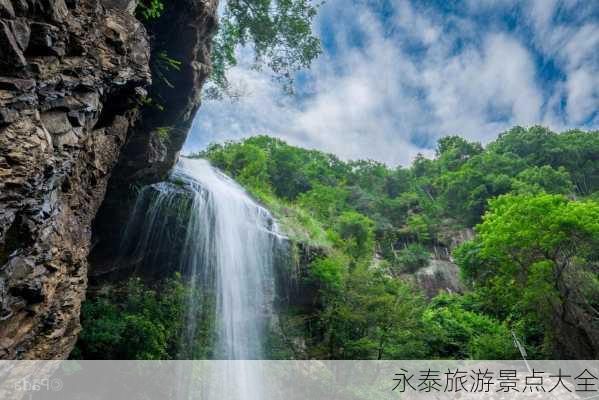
{"x": 181, "y": 34}
{"x": 75, "y": 79}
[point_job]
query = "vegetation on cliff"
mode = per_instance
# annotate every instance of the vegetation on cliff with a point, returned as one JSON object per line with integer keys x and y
{"x": 532, "y": 196}
{"x": 531, "y": 268}
{"x": 135, "y": 320}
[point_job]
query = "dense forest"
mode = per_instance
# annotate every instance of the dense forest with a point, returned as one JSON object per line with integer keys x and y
{"x": 530, "y": 271}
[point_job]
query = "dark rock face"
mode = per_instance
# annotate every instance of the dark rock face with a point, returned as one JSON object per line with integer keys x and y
{"x": 439, "y": 276}
{"x": 71, "y": 77}
{"x": 292, "y": 272}
{"x": 182, "y": 34}
{"x": 60, "y": 66}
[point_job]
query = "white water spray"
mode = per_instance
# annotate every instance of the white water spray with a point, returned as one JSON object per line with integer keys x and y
{"x": 228, "y": 245}
{"x": 238, "y": 242}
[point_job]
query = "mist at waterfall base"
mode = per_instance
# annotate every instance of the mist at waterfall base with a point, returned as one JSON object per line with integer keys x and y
{"x": 204, "y": 225}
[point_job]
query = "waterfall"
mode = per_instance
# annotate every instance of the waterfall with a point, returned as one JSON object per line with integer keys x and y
{"x": 234, "y": 236}
{"x": 202, "y": 223}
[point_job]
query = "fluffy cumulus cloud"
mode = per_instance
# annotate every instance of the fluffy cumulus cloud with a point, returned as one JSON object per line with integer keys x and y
{"x": 396, "y": 75}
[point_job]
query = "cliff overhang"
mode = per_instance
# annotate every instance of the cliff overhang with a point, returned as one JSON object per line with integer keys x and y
{"x": 75, "y": 76}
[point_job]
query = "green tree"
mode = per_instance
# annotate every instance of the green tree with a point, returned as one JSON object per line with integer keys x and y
{"x": 537, "y": 145}
{"x": 278, "y": 31}
{"x": 575, "y": 150}
{"x": 371, "y": 316}
{"x": 287, "y": 172}
{"x": 325, "y": 202}
{"x": 453, "y": 151}
{"x": 136, "y": 322}
{"x": 357, "y": 233}
{"x": 535, "y": 180}
{"x": 453, "y": 331}
{"x": 250, "y": 166}
{"x": 418, "y": 228}
{"x": 330, "y": 271}
{"x": 466, "y": 191}
{"x": 535, "y": 257}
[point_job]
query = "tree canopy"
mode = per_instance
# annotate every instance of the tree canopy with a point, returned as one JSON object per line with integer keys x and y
{"x": 279, "y": 32}
{"x": 529, "y": 201}
{"x": 531, "y": 270}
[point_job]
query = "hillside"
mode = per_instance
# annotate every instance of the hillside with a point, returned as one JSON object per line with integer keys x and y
{"x": 531, "y": 269}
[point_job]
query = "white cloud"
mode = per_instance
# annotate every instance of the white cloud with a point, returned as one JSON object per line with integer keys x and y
{"x": 382, "y": 101}
{"x": 475, "y": 93}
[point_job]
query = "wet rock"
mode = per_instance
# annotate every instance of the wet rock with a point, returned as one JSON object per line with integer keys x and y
{"x": 31, "y": 292}
{"x": 125, "y": 5}
{"x": 7, "y": 116}
{"x": 15, "y": 84}
{"x": 71, "y": 75}
{"x": 21, "y": 6}
{"x": 54, "y": 164}
{"x": 185, "y": 30}
{"x": 439, "y": 276}
{"x": 21, "y": 31}
{"x": 57, "y": 10}
{"x": 6, "y": 9}
{"x": 11, "y": 55}
{"x": 46, "y": 40}
{"x": 56, "y": 122}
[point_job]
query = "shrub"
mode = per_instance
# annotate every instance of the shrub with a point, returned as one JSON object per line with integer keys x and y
{"x": 150, "y": 9}
{"x": 411, "y": 258}
{"x": 135, "y": 322}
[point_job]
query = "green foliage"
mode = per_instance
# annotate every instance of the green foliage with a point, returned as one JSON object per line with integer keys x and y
{"x": 412, "y": 257}
{"x": 534, "y": 253}
{"x": 535, "y": 257}
{"x": 522, "y": 230}
{"x": 324, "y": 202}
{"x": 150, "y": 9}
{"x": 535, "y": 180}
{"x": 453, "y": 331}
{"x": 465, "y": 191}
{"x": 418, "y": 228}
{"x": 162, "y": 65}
{"x": 278, "y": 31}
{"x": 330, "y": 271}
{"x": 356, "y": 232}
{"x": 164, "y": 133}
{"x": 405, "y": 205}
{"x": 371, "y": 316}
{"x": 453, "y": 151}
{"x": 574, "y": 150}
{"x": 135, "y": 322}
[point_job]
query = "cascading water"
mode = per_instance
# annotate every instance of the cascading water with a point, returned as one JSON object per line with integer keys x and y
{"x": 221, "y": 240}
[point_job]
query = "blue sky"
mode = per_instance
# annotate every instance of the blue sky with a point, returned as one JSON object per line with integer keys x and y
{"x": 396, "y": 75}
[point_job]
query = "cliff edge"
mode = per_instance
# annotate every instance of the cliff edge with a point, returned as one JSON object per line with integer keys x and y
{"x": 75, "y": 79}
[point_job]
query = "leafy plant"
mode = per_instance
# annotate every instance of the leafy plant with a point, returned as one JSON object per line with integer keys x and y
{"x": 412, "y": 257}
{"x": 278, "y": 31}
{"x": 164, "y": 133}
{"x": 150, "y": 9}
{"x": 162, "y": 64}
{"x": 134, "y": 321}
